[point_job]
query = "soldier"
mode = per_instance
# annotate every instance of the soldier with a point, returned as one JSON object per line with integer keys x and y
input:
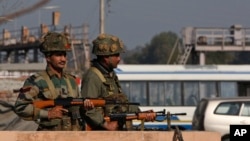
{"x": 51, "y": 83}
{"x": 100, "y": 81}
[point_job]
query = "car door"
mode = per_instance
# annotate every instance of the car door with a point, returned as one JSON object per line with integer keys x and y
{"x": 244, "y": 117}
{"x": 222, "y": 116}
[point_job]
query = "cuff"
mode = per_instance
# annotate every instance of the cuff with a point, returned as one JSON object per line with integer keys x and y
{"x": 43, "y": 114}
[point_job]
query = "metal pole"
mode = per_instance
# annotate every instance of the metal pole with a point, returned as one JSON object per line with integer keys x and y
{"x": 172, "y": 52}
{"x": 102, "y": 20}
{"x": 202, "y": 58}
{"x": 73, "y": 50}
{"x": 86, "y": 46}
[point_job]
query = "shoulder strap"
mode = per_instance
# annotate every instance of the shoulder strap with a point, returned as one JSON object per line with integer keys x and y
{"x": 100, "y": 75}
{"x": 118, "y": 83}
{"x": 70, "y": 89}
{"x": 51, "y": 86}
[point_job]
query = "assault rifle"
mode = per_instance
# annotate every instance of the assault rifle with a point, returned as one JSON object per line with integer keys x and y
{"x": 66, "y": 102}
{"x": 122, "y": 117}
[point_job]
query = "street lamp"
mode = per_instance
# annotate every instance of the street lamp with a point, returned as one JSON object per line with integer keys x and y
{"x": 45, "y": 8}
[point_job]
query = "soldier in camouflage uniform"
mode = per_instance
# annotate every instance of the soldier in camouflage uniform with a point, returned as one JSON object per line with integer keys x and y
{"x": 50, "y": 84}
{"x": 100, "y": 81}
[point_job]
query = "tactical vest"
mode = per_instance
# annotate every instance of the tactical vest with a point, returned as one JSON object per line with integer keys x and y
{"x": 114, "y": 108}
{"x": 66, "y": 123}
{"x": 111, "y": 108}
{"x": 52, "y": 89}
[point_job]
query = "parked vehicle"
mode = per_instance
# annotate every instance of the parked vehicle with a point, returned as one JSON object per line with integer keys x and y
{"x": 217, "y": 114}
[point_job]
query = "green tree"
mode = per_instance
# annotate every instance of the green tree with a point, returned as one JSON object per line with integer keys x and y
{"x": 220, "y": 57}
{"x": 242, "y": 57}
{"x": 156, "y": 52}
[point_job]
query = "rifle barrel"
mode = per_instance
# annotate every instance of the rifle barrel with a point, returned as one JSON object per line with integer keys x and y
{"x": 179, "y": 114}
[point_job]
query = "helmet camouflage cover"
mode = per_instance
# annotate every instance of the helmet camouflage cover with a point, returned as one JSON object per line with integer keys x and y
{"x": 53, "y": 41}
{"x": 106, "y": 44}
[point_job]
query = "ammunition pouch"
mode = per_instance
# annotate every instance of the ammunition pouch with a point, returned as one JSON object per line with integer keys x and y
{"x": 116, "y": 108}
{"x": 120, "y": 108}
{"x": 69, "y": 122}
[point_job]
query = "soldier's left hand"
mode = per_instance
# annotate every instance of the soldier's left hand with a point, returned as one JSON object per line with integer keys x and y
{"x": 88, "y": 104}
{"x": 150, "y": 117}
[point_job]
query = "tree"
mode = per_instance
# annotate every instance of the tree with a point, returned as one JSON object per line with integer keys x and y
{"x": 156, "y": 52}
{"x": 220, "y": 57}
{"x": 242, "y": 57}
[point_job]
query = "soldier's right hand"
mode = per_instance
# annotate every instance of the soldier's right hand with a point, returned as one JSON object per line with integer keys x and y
{"x": 111, "y": 126}
{"x": 88, "y": 104}
{"x": 56, "y": 112}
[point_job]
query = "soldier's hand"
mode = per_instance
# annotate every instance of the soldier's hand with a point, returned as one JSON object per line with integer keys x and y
{"x": 88, "y": 104}
{"x": 150, "y": 117}
{"x": 111, "y": 126}
{"x": 56, "y": 112}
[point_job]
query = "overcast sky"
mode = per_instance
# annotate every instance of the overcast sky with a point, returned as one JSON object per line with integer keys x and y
{"x": 137, "y": 21}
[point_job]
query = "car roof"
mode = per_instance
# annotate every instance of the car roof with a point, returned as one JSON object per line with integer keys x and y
{"x": 243, "y": 98}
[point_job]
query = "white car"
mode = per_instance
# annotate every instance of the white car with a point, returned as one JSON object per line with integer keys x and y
{"x": 217, "y": 114}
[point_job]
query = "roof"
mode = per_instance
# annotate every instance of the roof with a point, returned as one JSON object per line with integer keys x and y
{"x": 242, "y": 98}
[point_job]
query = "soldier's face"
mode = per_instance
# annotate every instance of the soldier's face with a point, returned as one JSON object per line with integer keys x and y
{"x": 57, "y": 60}
{"x": 113, "y": 60}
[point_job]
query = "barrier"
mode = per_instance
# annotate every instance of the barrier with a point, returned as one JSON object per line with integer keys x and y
{"x": 105, "y": 136}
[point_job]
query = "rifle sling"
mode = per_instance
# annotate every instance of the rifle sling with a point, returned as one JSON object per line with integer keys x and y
{"x": 99, "y": 74}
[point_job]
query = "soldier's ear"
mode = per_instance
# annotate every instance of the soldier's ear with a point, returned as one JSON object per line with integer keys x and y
{"x": 48, "y": 59}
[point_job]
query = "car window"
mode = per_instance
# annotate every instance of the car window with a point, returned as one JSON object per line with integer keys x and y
{"x": 228, "y": 108}
{"x": 246, "y": 109}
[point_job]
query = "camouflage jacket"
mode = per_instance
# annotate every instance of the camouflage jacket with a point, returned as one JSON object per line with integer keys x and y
{"x": 41, "y": 86}
{"x": 99, "y": 82}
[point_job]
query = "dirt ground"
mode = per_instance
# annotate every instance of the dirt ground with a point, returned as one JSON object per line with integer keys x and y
{"x": 9, "y": 121}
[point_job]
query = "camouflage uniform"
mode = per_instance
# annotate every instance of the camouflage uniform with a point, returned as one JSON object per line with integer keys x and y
{"x": 100, "y": 82}
{"x": 46, "y": 85}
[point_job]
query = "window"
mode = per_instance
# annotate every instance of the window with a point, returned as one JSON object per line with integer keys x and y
{"x": 162, "y": 93}
{"x": 228, "y": 108}
{"x": 156, "y": 93}
{"x": 135, "y": 91}
{"x": 228, "y": 89}
{"x": 208, "y": 89}
{"x": 246, "y": 109}
{"x": 191, "y": 93}
{"x": 173, "y": 93}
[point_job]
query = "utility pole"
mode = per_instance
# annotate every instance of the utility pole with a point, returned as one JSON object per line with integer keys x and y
{"x": 102, "y": 13}
{"x": 86, "y": 46}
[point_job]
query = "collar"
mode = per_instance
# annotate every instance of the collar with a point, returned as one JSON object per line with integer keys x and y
{"x": 103, "y": 69}
{"x": 53, "y": 74}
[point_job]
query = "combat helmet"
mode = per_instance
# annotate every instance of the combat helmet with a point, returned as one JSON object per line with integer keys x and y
{"x": 106, "y": 44}
{"x": 53, "y": 41}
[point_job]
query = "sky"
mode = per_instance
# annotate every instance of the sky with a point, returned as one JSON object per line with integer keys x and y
{"x": 136, "y": 22}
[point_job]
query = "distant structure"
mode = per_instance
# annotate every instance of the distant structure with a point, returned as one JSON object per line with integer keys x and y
{"x": 212, "y": 39}
{"x": 21, "y": 46}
